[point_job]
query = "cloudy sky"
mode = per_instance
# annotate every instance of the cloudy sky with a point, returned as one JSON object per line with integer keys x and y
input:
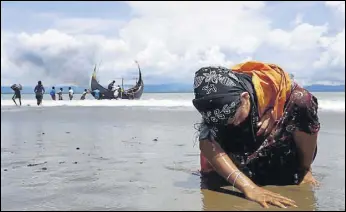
{"x": 59, "y": 42}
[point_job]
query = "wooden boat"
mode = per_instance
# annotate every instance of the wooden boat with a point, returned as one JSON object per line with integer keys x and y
{"x": 131, "y": 93}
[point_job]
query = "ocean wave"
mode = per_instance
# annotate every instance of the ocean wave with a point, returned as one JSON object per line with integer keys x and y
{"x": 332, "y": 105}
{"x": 329, "y": 105}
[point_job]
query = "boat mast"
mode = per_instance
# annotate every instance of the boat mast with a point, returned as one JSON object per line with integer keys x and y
{"x": 138, "y": 69}
{"x": 122, "y": 83}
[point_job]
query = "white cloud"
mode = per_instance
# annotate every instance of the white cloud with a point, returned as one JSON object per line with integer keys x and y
{"x": 303, "y": 37}
{"x": 331, "y": 62}
{"x": 87, "y": 25}
{"x": 334, "y": 54}
{"x": 171, "y": 40}
{"x": 338, "y": 6}
{"x": 298, "y": 20}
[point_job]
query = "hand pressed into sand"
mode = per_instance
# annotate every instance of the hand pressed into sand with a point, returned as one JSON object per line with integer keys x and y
{"x": 265, "y": 197}
{"x": 309, "y": 179}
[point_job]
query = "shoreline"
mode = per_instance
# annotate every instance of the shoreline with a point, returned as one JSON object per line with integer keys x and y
{"x": 88, "y": 158}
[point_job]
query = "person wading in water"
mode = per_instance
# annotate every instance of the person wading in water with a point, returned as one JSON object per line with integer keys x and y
{"x": 39, "y": 91}
{"x": 17, "y": 95}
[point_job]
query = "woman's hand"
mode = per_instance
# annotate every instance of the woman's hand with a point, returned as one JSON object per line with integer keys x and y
{"x": 309, "y": 179}
{"x": 263, "y": 197}
{"x": 266, "y": 123}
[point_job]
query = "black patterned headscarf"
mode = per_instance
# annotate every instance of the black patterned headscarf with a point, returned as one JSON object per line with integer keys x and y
{"x": 217, "y": 94}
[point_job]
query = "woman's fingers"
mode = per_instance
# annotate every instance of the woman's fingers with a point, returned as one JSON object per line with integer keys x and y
{"x": 285, "y": 202}
{"x": 267, "y": 131}
{"x": 272, "y": 198}
{"x": 277, "y": 203}
{"x": 316, "y": 183}
{"x": 270, "y": 127}
{"x": 264, "y": 204}
{"x": 282, "y": 198}
{"x": 263, "y": 127}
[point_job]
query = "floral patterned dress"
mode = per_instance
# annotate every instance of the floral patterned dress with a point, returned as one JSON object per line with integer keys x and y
{"x": 272, "y": 159}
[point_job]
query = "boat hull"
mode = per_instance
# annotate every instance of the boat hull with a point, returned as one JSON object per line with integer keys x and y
{"x": 132, "y": 93}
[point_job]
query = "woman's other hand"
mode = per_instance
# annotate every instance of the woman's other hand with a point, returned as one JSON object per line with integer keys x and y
{"x": 309, "y": 179}
{"x": 266, "y": 123}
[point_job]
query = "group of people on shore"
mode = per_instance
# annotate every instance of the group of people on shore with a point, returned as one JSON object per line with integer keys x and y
{"x": 116, "y": 89}
{"x": 40, "y": 90}
{"x": 53, "y": 93}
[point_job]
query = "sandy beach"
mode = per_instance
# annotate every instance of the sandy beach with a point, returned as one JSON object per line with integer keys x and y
{"x": 135, "y": 158}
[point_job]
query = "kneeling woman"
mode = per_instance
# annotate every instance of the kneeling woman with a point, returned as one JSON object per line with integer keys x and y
{"x": 258, "y": 128}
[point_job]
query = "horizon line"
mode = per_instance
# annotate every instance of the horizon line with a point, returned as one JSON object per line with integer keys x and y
{"x": 187, "y": 84}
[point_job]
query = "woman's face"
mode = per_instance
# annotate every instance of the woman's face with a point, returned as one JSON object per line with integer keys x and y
{"x": 242, "y": 112}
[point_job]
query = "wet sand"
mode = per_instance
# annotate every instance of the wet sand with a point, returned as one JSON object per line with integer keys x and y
{"x": 104, "y": 158}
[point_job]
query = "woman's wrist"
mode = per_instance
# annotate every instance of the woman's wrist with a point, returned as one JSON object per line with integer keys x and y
{"x": 240, "y": 181}
{"x": 248, "y": 188}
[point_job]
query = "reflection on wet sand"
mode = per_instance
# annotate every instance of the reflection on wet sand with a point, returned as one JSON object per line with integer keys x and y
{"x": 56, "y": 159}
{"x": 217, "y": 196}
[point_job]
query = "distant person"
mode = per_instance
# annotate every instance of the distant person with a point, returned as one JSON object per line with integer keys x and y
{"x": 39, "y": 91}
{"x": 70, "y": 93}
{"x": 96, "y": 93}
{"x": 52, "y": 93}
{"x": 60, "y": 94}
{"x": 121, "y": 92}
{"x": 117, "y": 91}
{"x": 111, "y": 86}
{"x": 84, "y": 94}
{"x": 16, "y": 88}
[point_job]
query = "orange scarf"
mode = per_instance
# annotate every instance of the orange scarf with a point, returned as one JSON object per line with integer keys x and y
{"x": 272, "y": 85}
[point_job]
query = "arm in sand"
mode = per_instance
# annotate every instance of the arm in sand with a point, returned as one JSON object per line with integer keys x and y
{"x": 224, "y": 166}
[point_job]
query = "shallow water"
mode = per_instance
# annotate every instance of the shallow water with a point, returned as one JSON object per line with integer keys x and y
{"x": 134, "y": 159}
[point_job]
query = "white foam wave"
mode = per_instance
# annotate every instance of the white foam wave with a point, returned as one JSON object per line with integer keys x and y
{"x": 105, "y": 103}
{"x": 332, "y": 105}
{"x": 329, "y": 105}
